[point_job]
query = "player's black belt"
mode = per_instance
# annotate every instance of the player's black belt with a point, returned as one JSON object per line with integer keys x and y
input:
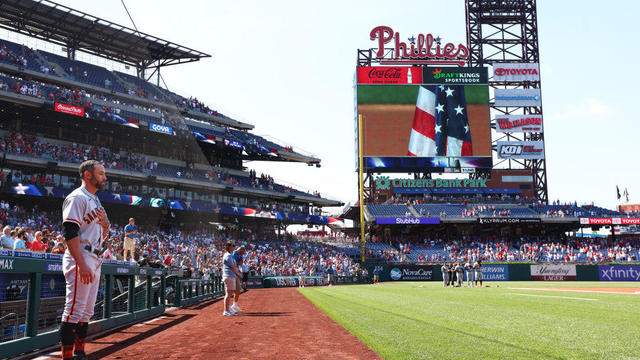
{"x": 94, "y": 251}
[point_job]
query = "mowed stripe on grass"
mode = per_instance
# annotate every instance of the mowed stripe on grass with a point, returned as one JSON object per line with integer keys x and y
{"x": 427, "y": 321}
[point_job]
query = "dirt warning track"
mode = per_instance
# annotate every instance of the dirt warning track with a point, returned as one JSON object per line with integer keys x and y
{"x": 276, "y": 324}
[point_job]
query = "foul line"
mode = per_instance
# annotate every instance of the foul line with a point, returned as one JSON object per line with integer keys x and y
{"x": 553, "y": 296}
{"x": 577, "y": 290}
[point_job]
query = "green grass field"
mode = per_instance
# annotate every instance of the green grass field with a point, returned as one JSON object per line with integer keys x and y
{"x": 424, "y": 320}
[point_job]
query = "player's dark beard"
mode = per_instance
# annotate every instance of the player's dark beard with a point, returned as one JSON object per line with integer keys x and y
{"x": 96, "y": 183}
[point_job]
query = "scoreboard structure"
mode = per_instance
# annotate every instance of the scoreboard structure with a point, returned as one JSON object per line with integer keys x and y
{"x": 423, "y": 106}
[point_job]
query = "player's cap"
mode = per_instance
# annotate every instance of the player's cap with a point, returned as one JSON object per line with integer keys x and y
{"x": 131, "y": 219}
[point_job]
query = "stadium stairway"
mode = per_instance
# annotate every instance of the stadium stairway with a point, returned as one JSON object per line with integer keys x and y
{"x": 413, "y": 211}
{"x": 51, "y": 65}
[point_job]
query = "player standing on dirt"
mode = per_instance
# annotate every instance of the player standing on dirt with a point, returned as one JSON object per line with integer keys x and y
{"x": 86, "y": 226}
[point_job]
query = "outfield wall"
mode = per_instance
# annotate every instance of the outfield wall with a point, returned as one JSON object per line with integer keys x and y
{"x": 518, "y": 272}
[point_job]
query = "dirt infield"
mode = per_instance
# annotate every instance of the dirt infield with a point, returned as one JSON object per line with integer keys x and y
{"x": 276, "y": 324}
{"x": 604, "y": 290}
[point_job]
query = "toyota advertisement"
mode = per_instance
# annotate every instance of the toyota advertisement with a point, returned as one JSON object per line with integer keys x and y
{"x": 516, "y": 72}
{"x": 520, "y": 150}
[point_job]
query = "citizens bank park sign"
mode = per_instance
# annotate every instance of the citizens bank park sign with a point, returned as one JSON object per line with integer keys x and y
{"x": 421, "y": 49}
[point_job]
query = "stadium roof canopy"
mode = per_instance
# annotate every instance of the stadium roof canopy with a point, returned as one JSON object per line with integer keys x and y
{"x": 77, "y": 30}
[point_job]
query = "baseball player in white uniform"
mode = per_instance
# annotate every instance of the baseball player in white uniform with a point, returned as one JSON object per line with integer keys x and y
{"x": 86, "y": 226}
{"x": 477, "y": 266}
{"x": 469, "y": 269}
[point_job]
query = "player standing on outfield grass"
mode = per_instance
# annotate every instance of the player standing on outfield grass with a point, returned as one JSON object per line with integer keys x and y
{"x": 452, "y": 274}
{"x": 85, "y": 226}
{"x": 469, "y": 269}
{"x": 230, "y": 275}
{"x": 459, "y": 274}
{"x": 478, "y": 272}
{"x": 445, "y": 274}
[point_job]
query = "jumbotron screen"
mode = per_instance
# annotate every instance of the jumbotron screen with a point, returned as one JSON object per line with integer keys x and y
{"x": 424, "y": 118}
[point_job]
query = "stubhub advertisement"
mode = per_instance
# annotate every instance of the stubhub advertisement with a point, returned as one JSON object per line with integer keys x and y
{"x": 161, "y": 128}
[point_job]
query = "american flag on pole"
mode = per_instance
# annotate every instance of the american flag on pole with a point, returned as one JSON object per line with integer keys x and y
{"x": 440, "y": 123}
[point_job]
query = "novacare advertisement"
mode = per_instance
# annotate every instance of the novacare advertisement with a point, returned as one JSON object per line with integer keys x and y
{"x": 411, "y": 273}
{"x": 553, "y": 272}
{"x": 619, "y": 272}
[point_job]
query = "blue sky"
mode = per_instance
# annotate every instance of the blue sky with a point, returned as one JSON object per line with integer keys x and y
{"x": 287, "y": 67}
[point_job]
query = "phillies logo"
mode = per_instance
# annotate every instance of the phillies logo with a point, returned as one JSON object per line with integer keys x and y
{"x": 504, "y": 72}
{"x": 424, "y": 46}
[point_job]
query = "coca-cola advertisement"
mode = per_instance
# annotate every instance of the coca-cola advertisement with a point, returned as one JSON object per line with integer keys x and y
{"x": 553, "y": 272}
{"x": 69, "y": 109}
{"x": 389, "y": 75}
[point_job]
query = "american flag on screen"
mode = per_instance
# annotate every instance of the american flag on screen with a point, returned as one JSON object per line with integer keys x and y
{"x": 440, "y": 124}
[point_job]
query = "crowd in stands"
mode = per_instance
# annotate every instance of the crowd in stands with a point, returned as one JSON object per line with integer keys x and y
{"x": 198, "y": 252}
{"x": 518, "y": 249}
{"x": 13, "y": 58}
{"x": 28, "y": 145}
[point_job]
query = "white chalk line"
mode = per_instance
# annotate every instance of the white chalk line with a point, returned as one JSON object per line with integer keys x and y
{"x": 578, "y": 290}
{"x": 554, "y": 296}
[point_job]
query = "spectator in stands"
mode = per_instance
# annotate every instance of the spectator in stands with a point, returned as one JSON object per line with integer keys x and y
{"x": 20, "y": 241}
{"x": 7, "y": 239}
{"x": 108, "y": 253}
{"x": 37, "y": 244}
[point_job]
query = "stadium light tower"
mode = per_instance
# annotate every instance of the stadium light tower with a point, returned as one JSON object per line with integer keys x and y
{"x": 506, "y": 31}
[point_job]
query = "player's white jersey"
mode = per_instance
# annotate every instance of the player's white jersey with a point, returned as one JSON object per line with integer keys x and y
{"x": 84, "y": 209}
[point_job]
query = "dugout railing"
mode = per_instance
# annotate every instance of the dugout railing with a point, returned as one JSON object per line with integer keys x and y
{"x": 32, "y": 295}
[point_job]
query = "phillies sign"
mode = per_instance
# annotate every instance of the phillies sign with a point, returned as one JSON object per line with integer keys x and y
{"x": 518, "y": 123}
{"x": 423, "y": 49}
{"x": 69, "y": 109}
{"x": 389, "y": 75}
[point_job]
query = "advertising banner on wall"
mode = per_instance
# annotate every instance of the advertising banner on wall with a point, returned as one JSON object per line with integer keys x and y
{"x": 508, "y": 220}
{"x": 520, "y": 150}
{"x": 610, "y": 221}
{"x": 619, "y": 272}
{"x": 516, "y": 72}
{"x": 389, "y": 75}
{"x": 518, "y": 123}
{"x": 69, "y": 109}
{"x": 411, "y": 273}
{"x": 407, "y": 221}
{"x": 553, "y": 272}
{"x": 494, "y": 273}
{"x": 517, "y": 97}
{"x": 455, "y": 75}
